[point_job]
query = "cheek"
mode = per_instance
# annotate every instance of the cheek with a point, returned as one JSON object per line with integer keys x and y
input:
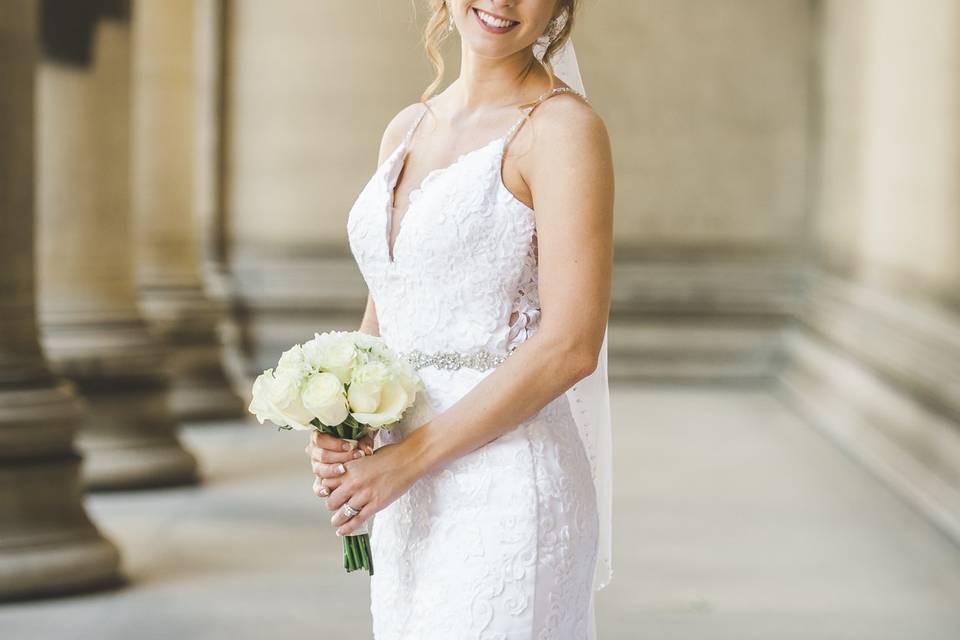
{"x": 529, "y": 33}
{"x": 537, "y": 13}
{"x": 534, "y": 23}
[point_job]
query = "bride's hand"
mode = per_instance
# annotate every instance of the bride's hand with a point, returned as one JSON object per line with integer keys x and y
{"x": 327, "y": 453}
{"x": 370, "y": 484}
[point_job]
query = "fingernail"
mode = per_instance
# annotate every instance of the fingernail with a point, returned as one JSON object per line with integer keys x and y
{"x": 324, "y": 491}
{"x": 358, "y": 454}
{"x": 342, "y": 468}
{"x": 339, "y": 533}
{"x": 347, "y": 446}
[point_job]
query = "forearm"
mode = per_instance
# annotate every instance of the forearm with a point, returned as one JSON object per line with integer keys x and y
{"x": 370, "y": 324}
{"x": 516, "y": 390}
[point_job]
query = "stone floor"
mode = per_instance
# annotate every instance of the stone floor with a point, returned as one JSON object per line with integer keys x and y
{"x": 734, "y": 521}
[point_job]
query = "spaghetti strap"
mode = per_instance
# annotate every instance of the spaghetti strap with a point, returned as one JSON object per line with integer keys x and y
{"x": 416, "y": 123}
{"x": 535, "y": 104}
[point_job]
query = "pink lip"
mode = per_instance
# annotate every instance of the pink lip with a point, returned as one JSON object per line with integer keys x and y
{"x": 490, "y": 29}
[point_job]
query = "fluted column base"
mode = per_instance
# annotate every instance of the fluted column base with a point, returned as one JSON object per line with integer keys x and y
{"x": 58, "y": 567}
{"x": 129, "y": 437}
{"x": 187, "y": 322}
{"x": 48, "y": 545}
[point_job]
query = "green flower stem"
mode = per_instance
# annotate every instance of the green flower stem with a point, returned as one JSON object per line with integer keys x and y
{"x": 356, "y": 551}
{"x": 348, "y": 551}
{"x": 365, "y": 540}
{"x": 363, "y": 551}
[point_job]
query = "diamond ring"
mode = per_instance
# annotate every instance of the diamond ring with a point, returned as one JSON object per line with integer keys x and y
{"x": 350, "y": 511}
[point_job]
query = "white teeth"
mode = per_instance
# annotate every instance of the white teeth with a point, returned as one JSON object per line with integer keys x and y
{"x": 493, "y": 22}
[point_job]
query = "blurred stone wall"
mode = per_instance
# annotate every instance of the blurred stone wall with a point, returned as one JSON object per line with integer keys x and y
{"x": 709, "y": 108}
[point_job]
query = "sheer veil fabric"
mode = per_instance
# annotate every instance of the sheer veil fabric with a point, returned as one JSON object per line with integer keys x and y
{"x": 590, "y": 398}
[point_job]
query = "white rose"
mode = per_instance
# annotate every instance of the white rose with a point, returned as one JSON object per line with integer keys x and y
{"x": 366, "y": 386}
{"x": 393, "y": 401}
{"x": 334, "y": 352}
{"x": 367, "y": 341}
{"x": 375, "y": 349}
{"x": 407, "y": 376}
{"x": 276, "y": 397}
{"x": 293, "y": 363}
{"x": 284, "y": 393}
{"x": 260, "y": 405}
{"x": 324, "y": 397}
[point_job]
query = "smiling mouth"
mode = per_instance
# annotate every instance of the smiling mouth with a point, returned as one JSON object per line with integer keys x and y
{"x": 493, "y": 24}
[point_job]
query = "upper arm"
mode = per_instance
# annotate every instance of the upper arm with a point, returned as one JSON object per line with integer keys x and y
{"x": 569, "y": 171}
{"x": 370, "y": 324}
{"x": 396, "y": 129}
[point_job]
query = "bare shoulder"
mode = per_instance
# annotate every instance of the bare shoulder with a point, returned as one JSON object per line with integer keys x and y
{"x": 397, "y": 128}
{"x": 569, "y": 117}
{"x": 566, "y": 138}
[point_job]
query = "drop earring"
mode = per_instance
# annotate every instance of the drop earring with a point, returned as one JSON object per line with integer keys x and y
{"x": 554, "y": 27}
{"x": 446, "y": 3}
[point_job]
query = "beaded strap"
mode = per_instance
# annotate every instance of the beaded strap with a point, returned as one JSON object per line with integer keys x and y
{"x": 451, "y": 360}
{"x": 414, "y": 126}
{"x": 543, "y": 97}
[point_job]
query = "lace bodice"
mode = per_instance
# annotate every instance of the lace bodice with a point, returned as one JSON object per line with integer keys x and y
{"x": 463, "y": 271}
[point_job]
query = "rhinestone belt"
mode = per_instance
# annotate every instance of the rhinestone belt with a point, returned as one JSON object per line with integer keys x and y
{"x": 481, "y": 360}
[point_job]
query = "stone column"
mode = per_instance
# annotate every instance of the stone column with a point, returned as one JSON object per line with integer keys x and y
{"x": 210, "y": 79}
{"x": 47, "y": 543}
{"x": 875, "y": 362}
{"x": 93, "y": 329}
{"x": 164, "y": 196}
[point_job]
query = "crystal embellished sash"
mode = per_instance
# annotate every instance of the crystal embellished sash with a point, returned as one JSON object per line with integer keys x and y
{"x": 480, "y": 360}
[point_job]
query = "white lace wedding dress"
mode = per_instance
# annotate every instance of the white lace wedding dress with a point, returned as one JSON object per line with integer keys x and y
{"x": 500, "y": 544}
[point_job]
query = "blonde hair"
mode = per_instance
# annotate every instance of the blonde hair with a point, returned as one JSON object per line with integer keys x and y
{"x": 436, "y": 32}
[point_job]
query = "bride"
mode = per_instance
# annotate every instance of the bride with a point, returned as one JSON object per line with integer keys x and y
{"x": 485, "y": 240}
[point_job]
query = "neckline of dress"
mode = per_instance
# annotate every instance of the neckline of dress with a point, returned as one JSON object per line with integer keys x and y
{"x": 401, "y": 152}
{"x": 415, "y": 194}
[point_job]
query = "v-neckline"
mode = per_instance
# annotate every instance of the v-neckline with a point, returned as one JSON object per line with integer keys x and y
{"x": 402, "y": 152}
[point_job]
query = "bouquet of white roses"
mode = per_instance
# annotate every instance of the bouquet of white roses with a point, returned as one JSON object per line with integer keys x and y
{"x": 345, "y": 383}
